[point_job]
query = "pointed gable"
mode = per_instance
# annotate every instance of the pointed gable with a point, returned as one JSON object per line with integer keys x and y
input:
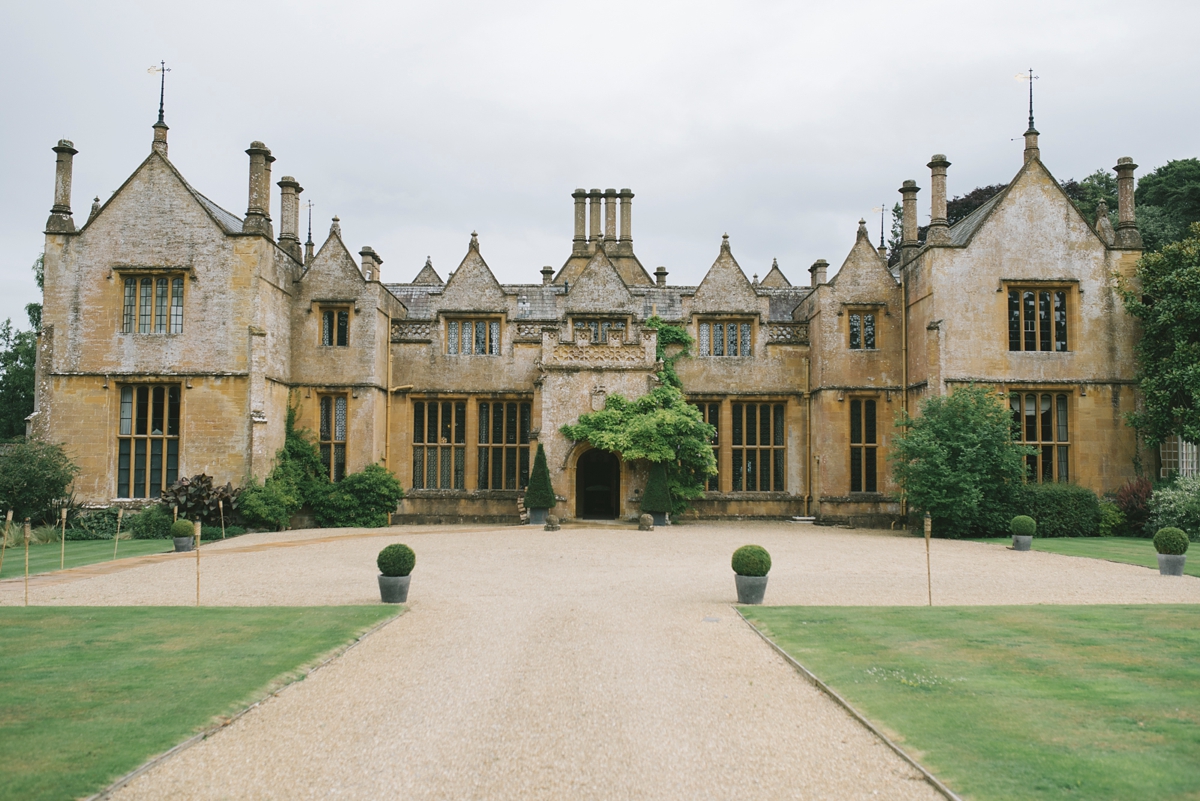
{"x": 472, "y": 287}
{"x": 725, "y": 288}
{"x": 428, "y": 276}
{"x": 600, "y": 288}
{"x": 333, "y": 262}
{"x": 775, "y": 278}
{"x": 864, "y": 267}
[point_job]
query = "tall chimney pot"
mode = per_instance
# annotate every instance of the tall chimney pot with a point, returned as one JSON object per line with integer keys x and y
{"x": 908, "y": 237}
{"x": 660, "y": 276}
{"x": 258, "y": 210}
{"x": 289, "y": 216}
{"x": 1128, "y": 235}
{"x": 60, "y": 220}
{"x": 547, "y": 274}
{"x": 594, "y": 197}
{"x": 626, "y": 244}
{"x": 939, "y": 225}
{"x": 818, "y": 271}
{"x": 579, "y": 243}
{"x": 370, "y": 263}
{"x": 610, "y": 217}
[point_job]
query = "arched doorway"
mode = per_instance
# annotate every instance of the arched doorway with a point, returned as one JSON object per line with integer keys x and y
{"x": 597, "y": 485}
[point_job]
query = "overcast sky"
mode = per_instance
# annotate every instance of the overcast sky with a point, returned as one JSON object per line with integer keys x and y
{"x": 416, "y": 123}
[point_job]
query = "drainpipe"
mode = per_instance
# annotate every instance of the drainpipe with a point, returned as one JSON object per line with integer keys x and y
{"x": 904, "y": 363}
{"x": 387, "y": 413}
{"x": 808, "y": 431}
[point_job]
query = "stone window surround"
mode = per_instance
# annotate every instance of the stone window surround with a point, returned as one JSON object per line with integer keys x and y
{"x": 146, "y": 309}
{"x": 725, "y": 444}
{"x": 470, "y": 441}
{"x": 745, "y": 339}
{"x": 1051, "y": 430}
{"x": 333, "y": 435}
{"x": 1072, "y": 290}
{"x": 581, "y": 321}
{"x": 864, "y": 445}
{"x": 329, "y": 325}
{"x": 495, "y": 332}
{"x": 140, "y": 429}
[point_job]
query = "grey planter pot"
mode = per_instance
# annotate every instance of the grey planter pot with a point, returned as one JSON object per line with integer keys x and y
{"x": 750, "y": 589}
{"x": 1022, "y": 543}
{"x": 393, "y": 589}
{"x": 184, "y": 544}
{"x": 1171, "y": 564}
{"x": 537, "y": 517}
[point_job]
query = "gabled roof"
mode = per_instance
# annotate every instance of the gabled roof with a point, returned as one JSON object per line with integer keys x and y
{"x": 472, "y": 286}
{"x": 725, "y": 287}
{"x": 863, "y": 265}
{"x": 333, "y": 255}
{"x": 775, "y": 279}
{"x": 599, "y": 288}
{"x": 428, "y": 275}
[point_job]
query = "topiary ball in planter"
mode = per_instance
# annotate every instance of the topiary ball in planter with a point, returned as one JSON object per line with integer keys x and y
{"x": 396, "y": 563}
{"x": 751, "y": 563}
{"x": 1171, "y": 544}
{"x": 1023, "y": 528}
{"x": 184, "y": 534}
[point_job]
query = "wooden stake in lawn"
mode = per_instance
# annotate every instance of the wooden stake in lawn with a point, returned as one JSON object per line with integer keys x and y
{"x": 928, "y": 570}
{"x": 197, "y": 525}
{"x": 4, "y": 544}
{"x": 117, "y": 536}
{"x": 27, "y": 561}
{"x": 221, "y": 508}
{"x": 62, "y": 559}
{"x": 175, "y": 512}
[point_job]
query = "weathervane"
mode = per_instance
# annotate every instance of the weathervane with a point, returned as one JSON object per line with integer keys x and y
{"x": 309, "y": 206}
{"x": 1028, "y": 76}
{"x": 162, "y": 69}
{"x": 881, "y": 208}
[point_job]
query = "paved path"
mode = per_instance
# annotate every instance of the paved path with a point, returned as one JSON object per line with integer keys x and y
{"x": 579, "y": 664}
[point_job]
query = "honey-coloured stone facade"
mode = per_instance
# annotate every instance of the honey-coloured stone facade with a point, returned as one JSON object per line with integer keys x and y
{"x": 452, "y": 383}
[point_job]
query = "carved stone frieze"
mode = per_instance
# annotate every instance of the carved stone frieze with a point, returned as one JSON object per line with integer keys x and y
{"x": 411, "y": 332}
{"x": 787, "y": 334}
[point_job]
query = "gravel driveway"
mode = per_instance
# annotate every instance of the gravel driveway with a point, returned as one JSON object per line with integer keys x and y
{"x": 602, "y": 663}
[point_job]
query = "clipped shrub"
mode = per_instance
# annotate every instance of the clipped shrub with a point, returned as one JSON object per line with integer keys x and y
{"x": 1062, "y": 510}
{"x": 657, "y": 497}
{"x": 360, "y": 499}
{"x": 1133, "y": 499}
{"x": 214, "y": 532}
{"x": 152, "y": 523}
{"x": 197, "y": 498}
{"x": 751, "y": 560}
{"x": 1112, "y": 519}
{"x": 1171, "y": 540}
{"x": 33, "y": 476}
{"x": 269, "y": 505}
{"x": 396, "y": 560}
{"x": 1023, "y": 526}
{"x": 183, "y": 528}
{"x": 540, "y": 493}
{"x": 99, "y": 524}
{"x": 1178, "y": 506}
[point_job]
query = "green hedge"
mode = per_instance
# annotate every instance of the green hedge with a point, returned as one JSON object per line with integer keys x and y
{"x": 1062, "y": 510}
{"x": 152, "y": 523}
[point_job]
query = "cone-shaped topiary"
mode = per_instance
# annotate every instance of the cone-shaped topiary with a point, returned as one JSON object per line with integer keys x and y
{"x": 540, "y": 494}
{"x": 751, "y": 560}
{"x": 1171, "y": 541}
{"x": 1023, "y": 526}
{"x": 183, "y": 528}
{"x": 396, "y": 560}
{"x": 657, "y": 497}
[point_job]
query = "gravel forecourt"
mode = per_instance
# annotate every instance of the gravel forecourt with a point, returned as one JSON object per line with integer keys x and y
{"x": 594, "y": 662}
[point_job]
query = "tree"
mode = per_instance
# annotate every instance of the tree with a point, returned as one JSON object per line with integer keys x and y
{"x": 540, "y": 493}
{"x": 1168, "y": 352}
{"x": 1168, "y": 201}
{"x": 657, "y": 497}
{"x": 1087, "y": 194}
{"x": 33, "y": 476}
{"x": 660, "y": 426}
{"x": 962, "y": 205}
{"x": 18, "y": 353}
{"x": 958, "y": 461}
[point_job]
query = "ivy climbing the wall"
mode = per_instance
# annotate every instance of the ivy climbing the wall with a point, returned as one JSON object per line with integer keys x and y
{"x": 660, "y": 426}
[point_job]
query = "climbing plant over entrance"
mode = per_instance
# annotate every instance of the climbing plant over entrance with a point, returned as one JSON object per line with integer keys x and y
{"x": 660, "y": 426}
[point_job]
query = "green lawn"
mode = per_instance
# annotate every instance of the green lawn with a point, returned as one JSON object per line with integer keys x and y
{"x": 1130, "y": 550}
{"x": 89, "y": 693}
{"x": 44, "y": 558}
{"x": 1041, "y": 702}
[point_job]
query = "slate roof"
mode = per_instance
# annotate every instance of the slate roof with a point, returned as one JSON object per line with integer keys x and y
{"x": 784, "y": 301}
{"x": 415, "y": 298}
{"x": 667, "y": 301}
{"x": 227, "y": 220}
{"x": 962, "y": 231}
{"x": 535, "y": 301}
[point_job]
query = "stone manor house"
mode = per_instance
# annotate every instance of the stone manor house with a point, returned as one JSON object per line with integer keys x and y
{"x": 176, "y": 334}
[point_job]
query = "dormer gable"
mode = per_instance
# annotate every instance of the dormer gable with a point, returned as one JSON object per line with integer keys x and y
{"x": 473, "y": 287}
{"x": 428, "y": 276}
{"x": 333, "y": 261}
{"x": 725, "y": 287}
{"x": 775, "y": 279}
{"x": 863, "y": 268}
{"x": 600, "y": 288}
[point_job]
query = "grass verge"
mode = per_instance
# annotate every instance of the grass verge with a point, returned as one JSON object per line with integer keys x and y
{"x": 92, "y": 692}
{"x": 1038, "y": 702}
{"x": 44, "y": 558}
{"x": 1130, "y": 550}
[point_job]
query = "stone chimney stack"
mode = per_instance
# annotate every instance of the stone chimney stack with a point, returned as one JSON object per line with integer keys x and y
{"x": 626, "y": 221}
{"x": 1128, "y": 235}
{"x": 547, "y": 275}
{"x": 594, "y": 218}
{"x": 817, "y": 271}
{"x": 258, "y": 211}
{"x": 159, "y": 145}
{"x": 908, "y": 237}
{"x": 579, "y": 244}
{"x": 370, "y": 263}
{"x": 939, "y": 225}
{"x": 660, "y": 276}
{"x": 60, "y": 213}
{"x": 610, "y": 219}
{"x": 1031, "y": 144}
{"x": 289, "y": 216}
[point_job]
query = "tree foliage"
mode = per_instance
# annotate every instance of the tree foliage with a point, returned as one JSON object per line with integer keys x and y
{"x": 958, "y": 461}
{"x": 361, "y": 499}
{"x": 660, "y": 426}
{"x": 540, "y": 493}
{"x": 1087, "y": 194}
{"x": 657, "y": 497}
{"x": 1168, "y": 352}
{"x": 960, "y": 206}
{"x": 33, "y": 477}
{"x": 1168, "y": 202}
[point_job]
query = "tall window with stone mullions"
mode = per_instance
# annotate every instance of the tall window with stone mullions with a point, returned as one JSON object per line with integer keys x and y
{"x": 473, "y": 337}
{"x": 1037, "y": 319}
{"x": 335, "y": 328}
{"x": 439, "y": 444}
{"x": 863, "y": 446}
{"x": 153, "y": 305}
{"x": 724, "y": 338}
{"x": 1042, "y": 420}
{"x": 333, "y": 435}
{"x": 758, "y": 457}
{"x": 504, "y": 434}
{"x": 147, "y": 440}
{"x": 862, "y": 331}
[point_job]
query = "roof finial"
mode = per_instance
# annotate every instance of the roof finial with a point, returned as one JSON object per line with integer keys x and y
{"x": 725, "y": 242}
{"x": 336, "y": 227}
{"x": 474, "y": 241}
